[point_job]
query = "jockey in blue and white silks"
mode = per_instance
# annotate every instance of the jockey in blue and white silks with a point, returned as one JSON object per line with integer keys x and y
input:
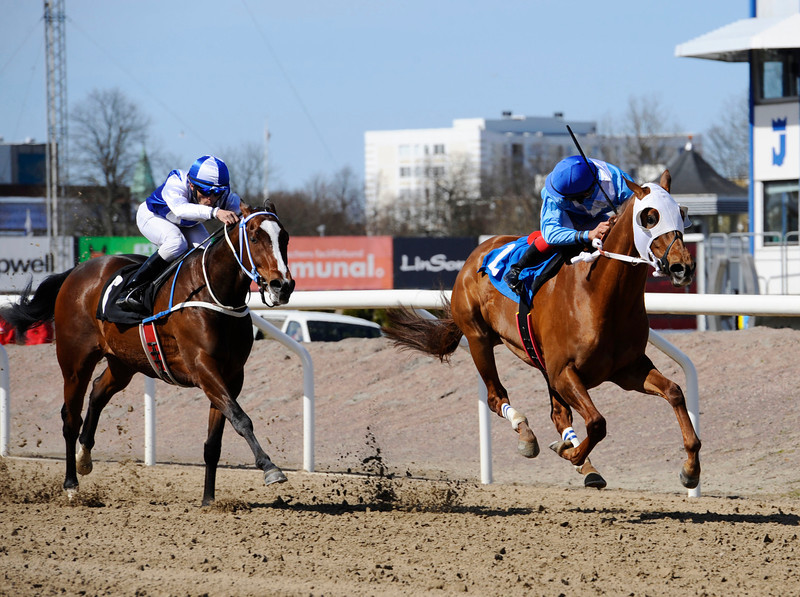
{"x": 573, "y": 204}
{"x": 574, "y": 209}
{"x": 170, "y": 216}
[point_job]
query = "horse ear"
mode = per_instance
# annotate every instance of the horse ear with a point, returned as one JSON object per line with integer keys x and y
{"x": 637, "y": 190}
{"x": 246, "y": 209}
{"x": 666, "y": 181}
{"x": 270, "y": 206}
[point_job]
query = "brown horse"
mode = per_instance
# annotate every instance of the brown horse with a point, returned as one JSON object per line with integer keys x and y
{"x": 589, "y": 322}
{"x": 204, "y": 344}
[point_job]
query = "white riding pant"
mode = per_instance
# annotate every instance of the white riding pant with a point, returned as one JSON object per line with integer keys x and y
{"x": 171, "y": 240}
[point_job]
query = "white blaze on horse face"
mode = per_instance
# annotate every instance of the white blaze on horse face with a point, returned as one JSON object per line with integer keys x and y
{"x": 273, "y": 231}
{"x": 670, "y": 219}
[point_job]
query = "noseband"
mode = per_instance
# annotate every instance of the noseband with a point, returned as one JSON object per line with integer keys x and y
{"x": 662, "y": 262}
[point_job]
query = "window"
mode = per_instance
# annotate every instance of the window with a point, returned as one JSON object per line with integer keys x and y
{"x": 329, "y": 331}
{"x": 404, "y": 151}
{"x": 438, "y": 149}
{"x": 405, "y": 172}
{"x": 776, "y": 73}
{"x": 780, "y": 211}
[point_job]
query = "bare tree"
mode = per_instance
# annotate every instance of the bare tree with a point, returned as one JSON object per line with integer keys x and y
{"x": 108, "y": 132}
{"x": 246, "y": 164}
{"x": 331, "y": 206}
{"x": 645, "y": 123}
{"x": 727, "y": 143}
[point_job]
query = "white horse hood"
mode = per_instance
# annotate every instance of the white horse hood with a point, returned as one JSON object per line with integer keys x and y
{"x": 670, "y": 219}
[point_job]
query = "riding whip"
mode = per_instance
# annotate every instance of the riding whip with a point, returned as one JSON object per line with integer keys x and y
{"x": 591, "y": 169}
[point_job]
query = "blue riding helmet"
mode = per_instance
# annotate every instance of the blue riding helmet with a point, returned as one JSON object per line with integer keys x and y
{"x": 210, "y": 175}
{"x": 571, "y": 177}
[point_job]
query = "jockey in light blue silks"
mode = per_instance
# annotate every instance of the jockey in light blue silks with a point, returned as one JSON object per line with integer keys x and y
{"x": 171, "y": 219}
{"x": 574, "y": 209}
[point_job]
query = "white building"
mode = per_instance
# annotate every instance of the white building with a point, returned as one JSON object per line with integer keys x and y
{"x": 404, "y": 167}
{"x": 770, "y": 42}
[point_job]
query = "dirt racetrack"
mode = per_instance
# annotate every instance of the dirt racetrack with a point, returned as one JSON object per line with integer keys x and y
{"x": 411, "y": 518}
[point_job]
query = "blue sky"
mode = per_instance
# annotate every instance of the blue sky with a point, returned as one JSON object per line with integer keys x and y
{"x": 211, "y": 74}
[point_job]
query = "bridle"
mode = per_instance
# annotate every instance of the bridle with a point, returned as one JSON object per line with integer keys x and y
{"x": 244, "y": 247}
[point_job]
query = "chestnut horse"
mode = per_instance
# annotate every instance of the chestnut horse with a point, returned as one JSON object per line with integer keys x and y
{"x": 205, "y": 339}
{"x": 589, "y": 322}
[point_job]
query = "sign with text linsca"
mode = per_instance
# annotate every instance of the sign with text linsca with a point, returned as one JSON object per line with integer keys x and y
{"x": 341, "y": 262}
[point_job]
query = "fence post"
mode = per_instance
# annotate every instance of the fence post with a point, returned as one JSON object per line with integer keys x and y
{"x": 5, "y": 402}
{"x": 149, "y": 421}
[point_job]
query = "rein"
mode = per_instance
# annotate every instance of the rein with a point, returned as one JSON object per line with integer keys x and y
{"x": 660, "y": 265}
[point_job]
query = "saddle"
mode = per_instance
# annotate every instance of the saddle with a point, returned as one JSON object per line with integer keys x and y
{"x": 118, "y": 283}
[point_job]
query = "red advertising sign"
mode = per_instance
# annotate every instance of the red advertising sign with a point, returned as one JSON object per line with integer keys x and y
{"x": 341, "y": 262}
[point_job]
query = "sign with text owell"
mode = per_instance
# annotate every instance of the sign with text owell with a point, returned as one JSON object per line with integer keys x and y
{"x": 341, "y": 262}
{"x": 92, "y": 246}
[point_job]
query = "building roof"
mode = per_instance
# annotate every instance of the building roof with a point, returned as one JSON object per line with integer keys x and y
{"x": 698, "y": 186}
{"x": 731, "y": 43}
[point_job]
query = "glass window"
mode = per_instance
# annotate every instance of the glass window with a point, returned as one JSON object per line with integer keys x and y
{"x": 295, "y": 331}
{"x": 330, "y": 331}
{"x": 777, "y": 72}
{"x": 405, "y": 172}
{"x": 780, "y": 211}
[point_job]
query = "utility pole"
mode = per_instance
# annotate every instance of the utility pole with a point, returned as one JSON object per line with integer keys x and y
{"x": 55, "y": 43}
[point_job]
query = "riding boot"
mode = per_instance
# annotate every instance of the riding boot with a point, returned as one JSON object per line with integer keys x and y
{"x": 133, "y": 300}
{"x": 531, "y": 257}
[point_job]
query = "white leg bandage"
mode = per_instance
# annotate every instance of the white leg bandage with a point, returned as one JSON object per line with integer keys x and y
{"x": 513, "y": 416}
{"x": 569, "y": 435}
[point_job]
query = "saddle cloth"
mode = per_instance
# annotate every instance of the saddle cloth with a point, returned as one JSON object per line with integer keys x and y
{"x": 107, "y": 309}
{"x": 496, "y": 264}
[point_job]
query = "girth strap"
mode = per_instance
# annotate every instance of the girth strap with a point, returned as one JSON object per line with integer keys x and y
{"x": 525, "y": 330}
{"x": 155, "y": 356}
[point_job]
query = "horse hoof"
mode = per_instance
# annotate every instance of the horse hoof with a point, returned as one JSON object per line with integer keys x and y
{"x": 83, "y": 462}
{"x": 594, "y": 480}
{"x": 559, "y": 447}
{"x": 274, "y": 475}
{"x": 529, "y": 449}
{"x": 689, "y": 482}
{"x": 71, "y": 493}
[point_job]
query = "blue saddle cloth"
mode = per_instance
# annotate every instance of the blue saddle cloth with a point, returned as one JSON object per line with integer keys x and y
{"x": 497, "y": 262}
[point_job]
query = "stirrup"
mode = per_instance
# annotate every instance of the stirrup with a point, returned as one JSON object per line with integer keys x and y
{"x": 131, "y": 303}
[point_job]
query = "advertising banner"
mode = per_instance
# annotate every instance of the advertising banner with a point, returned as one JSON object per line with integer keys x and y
{"x": 92, "y": 246}
{"x": 430, "y": 263}
{"x": 30, "y": 258}
{"x": 341, "y": 262}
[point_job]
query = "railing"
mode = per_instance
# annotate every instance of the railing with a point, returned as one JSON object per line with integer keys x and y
{"x": 759, "y": 305}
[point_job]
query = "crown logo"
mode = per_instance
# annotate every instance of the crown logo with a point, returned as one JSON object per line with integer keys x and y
{"x": 779, "y": 124}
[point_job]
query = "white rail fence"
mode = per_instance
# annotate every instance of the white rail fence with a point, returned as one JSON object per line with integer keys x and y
{"x": 694, "y": 304}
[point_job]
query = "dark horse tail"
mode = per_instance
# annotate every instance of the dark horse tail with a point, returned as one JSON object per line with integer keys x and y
{"x": 437, "y": 337}
{"x": 29, "y": 311}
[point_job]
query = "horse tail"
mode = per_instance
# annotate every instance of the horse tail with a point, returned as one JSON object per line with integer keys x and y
{"x": 28, "y": 312}
{"x": 409, "y": 330}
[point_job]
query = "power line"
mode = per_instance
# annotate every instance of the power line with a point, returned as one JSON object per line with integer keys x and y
{"x": 144, "y": 87}
{"x": 289, "y": 82}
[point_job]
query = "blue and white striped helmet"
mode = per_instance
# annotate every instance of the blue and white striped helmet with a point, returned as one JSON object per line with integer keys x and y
{"x": 209, "y": 174}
